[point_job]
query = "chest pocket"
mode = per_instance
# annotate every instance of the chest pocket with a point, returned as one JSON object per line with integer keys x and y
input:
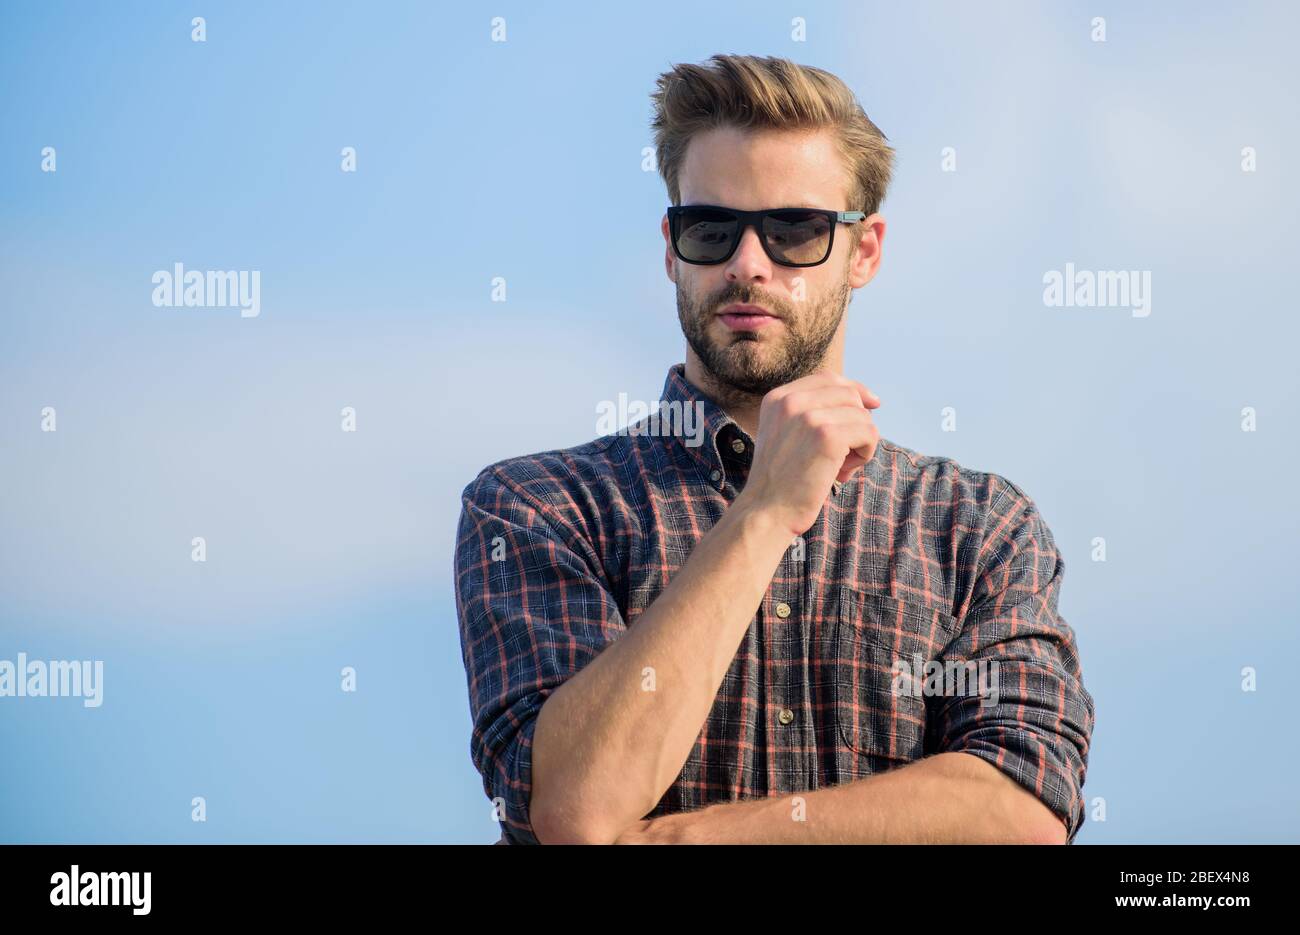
{"x": 879, "y": 647}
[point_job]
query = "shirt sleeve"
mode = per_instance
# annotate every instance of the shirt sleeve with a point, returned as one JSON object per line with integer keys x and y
{"x": 533, "y": 610}
{"x": 1036, "y": 727}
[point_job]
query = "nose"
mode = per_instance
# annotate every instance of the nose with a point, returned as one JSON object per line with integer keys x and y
{"x": 750, "y": 262}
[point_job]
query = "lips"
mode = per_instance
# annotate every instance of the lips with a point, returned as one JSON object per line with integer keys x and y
{"x": 745, "y": 317}
{"x": 744, "y": 308}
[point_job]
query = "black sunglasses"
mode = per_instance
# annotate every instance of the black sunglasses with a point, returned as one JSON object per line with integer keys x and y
{"x": 708, "y": 234}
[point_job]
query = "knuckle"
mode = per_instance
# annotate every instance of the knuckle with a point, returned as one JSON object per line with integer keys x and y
{"x": 813, "y": 418}
{"x": 825, "y": 434}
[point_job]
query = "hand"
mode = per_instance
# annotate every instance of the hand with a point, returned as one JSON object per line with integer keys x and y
{"x": 811, "y": 432}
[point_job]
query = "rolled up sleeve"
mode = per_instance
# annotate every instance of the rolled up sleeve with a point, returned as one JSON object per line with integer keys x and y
{"x": 533, "y": 609}
{"x": 1039, "y": 729}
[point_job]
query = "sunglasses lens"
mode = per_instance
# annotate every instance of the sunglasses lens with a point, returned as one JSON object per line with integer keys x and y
{"x": 797, "y": 237}
{"x": 705, "y": 235}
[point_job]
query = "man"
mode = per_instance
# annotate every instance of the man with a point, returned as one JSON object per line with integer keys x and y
{"x": 753, "y": 639}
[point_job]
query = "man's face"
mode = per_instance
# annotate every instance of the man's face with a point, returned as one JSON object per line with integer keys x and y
{"x": 750, "y": 171}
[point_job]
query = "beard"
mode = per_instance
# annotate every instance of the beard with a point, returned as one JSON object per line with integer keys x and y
{"x": 746, "y": 365}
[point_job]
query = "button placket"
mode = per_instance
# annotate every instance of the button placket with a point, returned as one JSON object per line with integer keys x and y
{"x": 786, "y": 730}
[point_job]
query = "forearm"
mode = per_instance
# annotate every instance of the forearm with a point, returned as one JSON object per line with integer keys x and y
{"x": 605, "y": 749}
{"x": 948, "y": 798}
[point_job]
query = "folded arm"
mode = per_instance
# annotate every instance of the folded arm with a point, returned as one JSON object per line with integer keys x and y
{"x": 1009, "y": 765}
{"x": 948, "y": 798}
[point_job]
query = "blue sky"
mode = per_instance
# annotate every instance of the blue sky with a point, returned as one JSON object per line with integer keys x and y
{"x": 329, "y": 549}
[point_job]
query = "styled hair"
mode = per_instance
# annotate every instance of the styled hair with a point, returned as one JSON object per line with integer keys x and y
{"x": 750, "y": 92}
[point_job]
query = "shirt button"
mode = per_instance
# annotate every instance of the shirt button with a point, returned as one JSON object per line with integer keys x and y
{"x": 783, "y": 610}
{"x": 738, "y": 446}
{"x": 786, "y": 716}
{"x": 715, "y": 476}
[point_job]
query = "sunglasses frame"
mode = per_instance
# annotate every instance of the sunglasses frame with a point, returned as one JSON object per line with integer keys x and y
{"x": 754, "y": 219}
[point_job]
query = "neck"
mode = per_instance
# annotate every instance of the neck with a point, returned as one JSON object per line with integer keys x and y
{"x": 744, "y": 406}
{"x": 741, "y": 406}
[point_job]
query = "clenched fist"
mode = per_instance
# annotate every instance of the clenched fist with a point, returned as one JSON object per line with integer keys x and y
{"x": 811, "y": 432}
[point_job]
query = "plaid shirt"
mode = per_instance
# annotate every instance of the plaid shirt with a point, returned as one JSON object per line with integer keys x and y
{"x": 913, "y": 560}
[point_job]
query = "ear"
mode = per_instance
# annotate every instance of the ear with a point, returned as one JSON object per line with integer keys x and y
{"x": 670, "y": 259}
{"x": 866, "y": 261}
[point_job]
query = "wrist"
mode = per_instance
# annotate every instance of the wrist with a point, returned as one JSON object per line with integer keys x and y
{"x": 759, "y": 520}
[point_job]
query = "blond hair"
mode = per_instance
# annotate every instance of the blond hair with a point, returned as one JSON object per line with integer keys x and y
{"x": 749, "y": 92}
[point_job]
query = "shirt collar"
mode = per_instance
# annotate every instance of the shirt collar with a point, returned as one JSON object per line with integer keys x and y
{"x": 717, "y": 431}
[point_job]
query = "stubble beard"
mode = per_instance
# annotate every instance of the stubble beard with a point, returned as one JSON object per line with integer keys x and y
{"x": 747, "y": 366}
